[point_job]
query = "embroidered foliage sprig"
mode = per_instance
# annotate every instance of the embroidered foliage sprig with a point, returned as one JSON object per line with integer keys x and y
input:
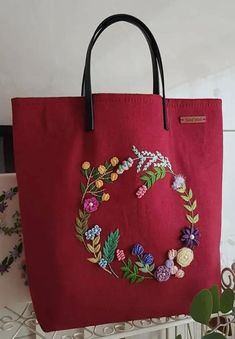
{"x": 147, "y": 159}
{"x": 131, "y": 272}
{"x": 6, "y": 263}
{"x": 94, "y": 248}
{"x": 15, "y": 229}
{"x": 82, "y": 224}
{"x": 151, "y": 177}
{"x": 110, "y": 246}
{"x": 191, "y": 205}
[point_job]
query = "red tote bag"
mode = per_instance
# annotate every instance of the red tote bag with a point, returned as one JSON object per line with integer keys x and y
{"x": 120, "y": 196}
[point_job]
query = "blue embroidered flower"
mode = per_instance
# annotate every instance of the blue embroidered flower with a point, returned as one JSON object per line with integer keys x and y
{"x": 103, "y": 263}
{"x": 93, "y": 232}
{"x": 137, "y": 249}
{"x": 148, "y": 259}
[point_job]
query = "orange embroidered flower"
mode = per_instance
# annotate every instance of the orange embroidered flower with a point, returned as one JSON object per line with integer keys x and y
{"x": 99, "y": 183}
{"x": 102, "y": 169}
{"x": 114, "y": 161}
{"x": 114, "y": 176}
{"x": 86, "y": 165}
{"x": 184, "y": 257}
{"x": 105, "y": 197}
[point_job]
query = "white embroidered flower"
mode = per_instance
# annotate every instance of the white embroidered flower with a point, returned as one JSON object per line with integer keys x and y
{"x": 179, "y": 182}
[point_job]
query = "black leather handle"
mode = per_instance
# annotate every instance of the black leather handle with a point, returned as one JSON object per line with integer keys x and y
{"x": 103, "y": 25}
{"x": 87, "y": 77}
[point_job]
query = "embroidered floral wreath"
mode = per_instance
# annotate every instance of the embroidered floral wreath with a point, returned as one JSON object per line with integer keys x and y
{"x": 155, "y": 167}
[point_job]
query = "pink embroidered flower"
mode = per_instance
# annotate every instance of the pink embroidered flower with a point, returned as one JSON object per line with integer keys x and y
{"x": 120, "y": 255}
{"x": 141, "y": 191}
{"x": 174, "y": 270}
{"x": 179, "y": 274}
{"x": 91, "y": 204}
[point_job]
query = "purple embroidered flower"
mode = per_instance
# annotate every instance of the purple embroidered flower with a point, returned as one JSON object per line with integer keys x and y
{"x": 162, "y": 273}
{"x": 190, "y": 236}
{"x": 169, "y": 263}
{"x": 148, "y": 259}
{"x": 3, "y": 206}
{"x": 91, "y": 204}
{"x": 178, "y": 182}
{"x": 137, "y": 249}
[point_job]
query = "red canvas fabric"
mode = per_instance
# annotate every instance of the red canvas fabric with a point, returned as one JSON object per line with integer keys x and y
{"x": 50, "y": 146}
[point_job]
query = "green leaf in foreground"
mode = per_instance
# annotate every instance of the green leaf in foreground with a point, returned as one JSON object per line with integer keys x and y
{"x": 216, "y": 298}
{"x": 226, "y": 300}
{"x": 201, "y": 307}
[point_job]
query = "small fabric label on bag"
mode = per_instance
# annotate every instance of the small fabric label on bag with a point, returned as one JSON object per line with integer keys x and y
{"x": 195, "y": 119}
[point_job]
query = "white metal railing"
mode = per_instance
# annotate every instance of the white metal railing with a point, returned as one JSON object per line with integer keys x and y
{"x": 20, "y": 322}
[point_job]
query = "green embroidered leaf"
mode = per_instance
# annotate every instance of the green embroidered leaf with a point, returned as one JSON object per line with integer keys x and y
{"x": 129, "y": 263}
{"x": 190, "y": 218}
{"x": 194, "y": 205}
{"x": 93, "y": 260}
{"x": 185, "y": 198}
{"x": 158, "y": 172}
{"x": 163, "y": 172}
{"x": 188, "y": 207}
{"x": 96, "y": 240}
{"x": 2, "y": 197}
{"x": 125, "y": 269}
{"x": 81, "y": 224}
{"x": 110, "y": 246}
{"x": 139, "y": 279}
{"x": 151, "y": 267}
{"x": 139, "y": 264}
{"x": 181, "y": 189}
{"x": 152, "y": 177}
{"x": 91, "y": 248}
{"x": 99, "y": 256}
{"x": 190, "y": 194}
{"x": 195, "y": 218}
{"x": 97, "y": 248}
{"x": 144, "y": 178}
{"x": 135, "y": 268}
{"x": 145, "y": 269}
{"x": 82, "y": 187}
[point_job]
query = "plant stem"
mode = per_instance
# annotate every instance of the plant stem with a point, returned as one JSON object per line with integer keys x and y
{"x": 111, "y": 269}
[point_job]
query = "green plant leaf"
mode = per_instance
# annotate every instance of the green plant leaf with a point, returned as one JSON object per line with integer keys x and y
{"x": 216, "y": 298}
{"x": 226, "y": 300}
{"x": 214, "y": 335}
{"x": 158, "y": 172}
{"x": 151, "y": 267}
{"x": 144, "y": 269}
{"x": 201, "y": 307}
{"x": 179, "y": 336}
{"x": 144, "y": 178}
{"x": 110, "y": 246}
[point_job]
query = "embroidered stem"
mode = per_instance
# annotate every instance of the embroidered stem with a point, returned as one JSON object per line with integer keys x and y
{"x": 88, "y": 184}
{"x": 111, "y": 269}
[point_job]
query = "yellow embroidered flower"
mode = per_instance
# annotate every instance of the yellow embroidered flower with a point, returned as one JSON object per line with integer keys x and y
{"x": 102, "y": 169}
{"x": 184, "y": 256}
{"x": 114, "y": 161}
{"x": 114, "y": 176}
{"x": 99, "y": 183}
{"x": 86, "y": 165}
{"x": 105, "y": 197}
